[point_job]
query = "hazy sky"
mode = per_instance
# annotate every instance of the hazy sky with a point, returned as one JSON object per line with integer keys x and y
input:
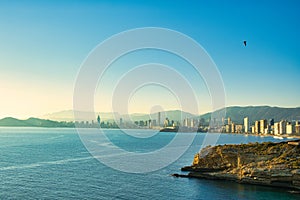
{"x": 43, "y": 43}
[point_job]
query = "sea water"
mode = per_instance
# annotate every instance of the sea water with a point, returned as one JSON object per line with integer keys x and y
{"x": 42, "y": 163}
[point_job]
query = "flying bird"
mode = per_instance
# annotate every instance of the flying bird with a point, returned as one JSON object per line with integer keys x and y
{"x": 245, "y": 43}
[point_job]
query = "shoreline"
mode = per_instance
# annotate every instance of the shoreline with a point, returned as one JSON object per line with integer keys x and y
{"x": 286, "y": 136}
{"x": 274, "y": 164}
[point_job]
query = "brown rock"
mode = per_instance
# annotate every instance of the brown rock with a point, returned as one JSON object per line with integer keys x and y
{"x": 273, "y": 164}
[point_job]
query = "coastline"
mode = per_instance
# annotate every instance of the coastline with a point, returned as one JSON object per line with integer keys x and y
{"x": 287, "y": 136}
{"x": 269, "y": 164}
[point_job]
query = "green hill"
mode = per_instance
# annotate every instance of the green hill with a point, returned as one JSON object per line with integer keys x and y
{"x": 9, "y": 121}
{"x": 254, "y": 113}
{"x": 33, "y": 122}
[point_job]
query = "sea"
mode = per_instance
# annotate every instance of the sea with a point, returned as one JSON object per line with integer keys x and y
{"x": 54, "y": 163}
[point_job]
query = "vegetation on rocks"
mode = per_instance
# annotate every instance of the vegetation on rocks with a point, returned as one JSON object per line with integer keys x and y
{"x": 274, "y": 164}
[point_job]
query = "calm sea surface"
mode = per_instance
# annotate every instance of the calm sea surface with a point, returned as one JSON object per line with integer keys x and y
{"x": 39, "y": 163}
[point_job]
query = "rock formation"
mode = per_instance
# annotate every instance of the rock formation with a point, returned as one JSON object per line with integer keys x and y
{"x": 273, "y": 164}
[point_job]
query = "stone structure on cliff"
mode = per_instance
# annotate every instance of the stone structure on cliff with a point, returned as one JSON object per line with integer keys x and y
{"x": 273, "y": 164}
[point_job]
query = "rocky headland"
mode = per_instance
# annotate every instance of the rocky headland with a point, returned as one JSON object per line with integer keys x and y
{"x": 271, "y": 164}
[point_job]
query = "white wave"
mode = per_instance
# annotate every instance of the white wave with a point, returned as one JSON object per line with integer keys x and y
{"x": 33, "y": 165}
{"x": 20, "y": 167}
{"x": 56, "y": 137}
{"x": 110, "y": 155}
{"x": 104, "y": 144}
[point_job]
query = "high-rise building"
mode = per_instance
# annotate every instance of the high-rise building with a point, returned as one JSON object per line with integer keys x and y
{"x": 187, "y": 122}
{"x": 184, "y": 122}
{"x": 192, "y": 122}
{"x": 252, "y": 129}
{"x": 229, "y": 120}
{"x": 154, "y": 122}
{"x": 196, "y": 122}
{"x": 158, "y": 120}
{"x": 228, "y": 128}
{"x": 166, "y": 122}
{"x": 276, "y": 128}
{"x": 239, "y": 128}
{"x": 271, "y": 122}
{"x": 173, "y": 123}
{"x": 263, "y": 125}
{"x": 98, "y": 119}
{"x": 232, "y": 127}
{"x": 282, "y": 127}
{"x": 201, "y": 122}
{"x": 297, "y": 127}
{"x": 290, "y": 128}
{"x": 246, "y": 124}
{"x": 149, "y": 123}
{"x": 141, "y": 123}
{"x": 257, "y": 127}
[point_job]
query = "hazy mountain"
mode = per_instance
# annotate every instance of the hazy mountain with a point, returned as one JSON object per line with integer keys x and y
{"x": 68, "y": 115}
{"x": 175, "y": 115}
{"x": 254, "y": 113}
{"x": 236, "y": 113}
{"x": 32, "y": 122}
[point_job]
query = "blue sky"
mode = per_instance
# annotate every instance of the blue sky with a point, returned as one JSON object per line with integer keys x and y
{"x": 43, "y": 44}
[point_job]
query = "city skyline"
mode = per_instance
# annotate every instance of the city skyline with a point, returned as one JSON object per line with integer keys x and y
{"x": 43, "y": 45}
{"x": 161, "y": 121}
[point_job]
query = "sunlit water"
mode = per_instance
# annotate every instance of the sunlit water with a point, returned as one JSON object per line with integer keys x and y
{"x": 53, "y": 163}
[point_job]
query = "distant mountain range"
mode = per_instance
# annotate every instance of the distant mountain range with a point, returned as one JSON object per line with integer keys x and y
{"x": 236, "y": 113}
{"x": 33, "y": 122}
{"x": 68, "y": 115}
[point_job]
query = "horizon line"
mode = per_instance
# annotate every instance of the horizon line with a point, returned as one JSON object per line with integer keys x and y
{"x": 135, "y": 113}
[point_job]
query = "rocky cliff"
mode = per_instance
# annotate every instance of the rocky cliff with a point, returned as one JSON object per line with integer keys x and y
{"x": 273, "y": 164}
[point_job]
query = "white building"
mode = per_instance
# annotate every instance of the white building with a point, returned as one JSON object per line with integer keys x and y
{"x": 252, "y": 129}
{"x": 282, "y": 127}
{"x": 246, "y": 124}
{"x": 290, "y": 128}
{"x": 232, "y": 127}
{"x": 192, "y": 122}
{"x": 257, "y": 127}
{"x": 276, "y": 128}
{"x": 263, "y": 125}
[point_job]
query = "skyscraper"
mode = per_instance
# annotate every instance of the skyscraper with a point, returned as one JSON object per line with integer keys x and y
{"x": 276, "y": 128}
{"x": 229, "y": 120}
{"x": 263, "y": 125}
{"x": 232, "y": 127}
{"x": 158, "y": 120}
{"x": 98, "y": 119}
{"x": 154, "y": 122}
{"x": 257, "y": 127}
{"x": 246, "y": 124}
{"x": 271, "y": 122}
{"x": 282, "y": 127}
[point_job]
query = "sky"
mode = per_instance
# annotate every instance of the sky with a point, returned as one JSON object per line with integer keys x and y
{"x": 44, "y": 43}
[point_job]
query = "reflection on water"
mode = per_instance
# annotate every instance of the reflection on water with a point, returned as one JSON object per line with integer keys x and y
{"x": 53, "y": 163}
